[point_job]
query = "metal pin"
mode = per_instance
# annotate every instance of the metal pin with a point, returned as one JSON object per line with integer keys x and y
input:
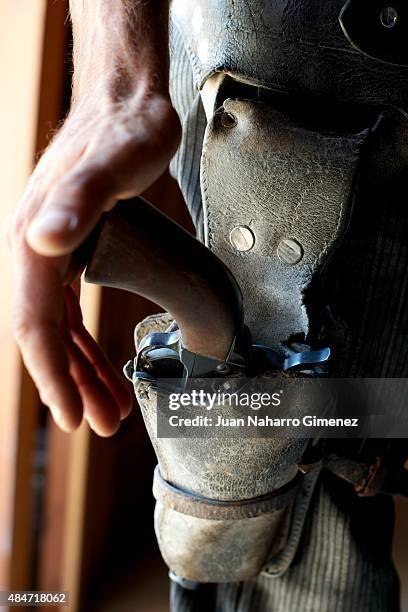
{"x": 389, "y": 17}
{"x": 242, "y": 238}
{"x": 290, "y": 251}
{"x": 228, "y": 120}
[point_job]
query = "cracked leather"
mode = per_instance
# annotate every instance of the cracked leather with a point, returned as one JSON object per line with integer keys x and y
{"x": 225, "y": 550}
{"x": 222, "y": 469}
{"x": 275, "y": 176}
{"x": 283, "y": 182}
{"x": 293, "y": 46}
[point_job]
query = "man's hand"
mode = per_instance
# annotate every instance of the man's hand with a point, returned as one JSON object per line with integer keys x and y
{"x": 117, "y": 140}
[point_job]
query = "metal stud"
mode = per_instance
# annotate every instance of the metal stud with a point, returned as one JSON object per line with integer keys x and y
{"x": 228, "y": 120}
{"x": 222, "y": 368}
{"x": 389, "y": 17}
{"x": 242, "y": 238}
{"x": 290, "y": 251}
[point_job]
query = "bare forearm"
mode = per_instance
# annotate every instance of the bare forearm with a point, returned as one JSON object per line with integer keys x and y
{"x": 120, "y": 46}
{"x": 117, "y": 140}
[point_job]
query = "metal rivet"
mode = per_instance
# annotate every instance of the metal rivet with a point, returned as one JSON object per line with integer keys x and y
{"x": 228, "y": 120}
{"x": 290, "y": 251}
{"x": 242, "y": 238}
{"x": 388, "y": 17}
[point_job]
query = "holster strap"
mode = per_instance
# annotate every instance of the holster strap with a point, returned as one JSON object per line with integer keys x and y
{"x": 219, "y": 510}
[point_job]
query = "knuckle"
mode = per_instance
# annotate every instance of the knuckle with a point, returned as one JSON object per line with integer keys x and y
{"x": 92, "y": 183}
{"x": 83, "y": 182}
{"x": 98, "y": 176}
{"x": 7, "y": 231}
{"x": 14, "y": 230}
{"x": 87, "y": 182}
{"x": 16, "y": 226}
{"x": 21, "y": 330}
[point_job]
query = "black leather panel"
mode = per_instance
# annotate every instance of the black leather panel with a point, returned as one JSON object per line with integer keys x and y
{"x": 378, "y": 29}
{"x": 288, "y": 45}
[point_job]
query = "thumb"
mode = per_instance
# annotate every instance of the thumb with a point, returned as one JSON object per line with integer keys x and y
{"x": 69, "y": 212}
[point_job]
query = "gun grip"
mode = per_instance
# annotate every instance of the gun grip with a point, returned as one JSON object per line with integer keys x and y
{"x": 138, "y": 248}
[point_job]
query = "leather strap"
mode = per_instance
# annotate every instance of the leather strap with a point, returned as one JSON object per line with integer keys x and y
{"x": 217, "y": 510}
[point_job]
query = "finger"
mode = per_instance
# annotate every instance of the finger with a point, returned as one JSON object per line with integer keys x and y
{"x": 52, "y": 166}
{"x": 38, "y": 311}
{"x": 6, "y": 230}
{"x": 39, "y": 347}
{"x": 71, "y": 209}
{"x": 95, "y": 355}
{"x": 106, "y": 372}
{"x": 100, "y": 408}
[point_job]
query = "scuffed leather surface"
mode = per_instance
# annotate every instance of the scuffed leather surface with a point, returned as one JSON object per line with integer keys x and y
{"x": 215, "y": 551}
{"x": 282, "y": 181}
{"x": 294, "y": 46}
{"x": 220, "y": 469}
{"x": 204, "y": 465}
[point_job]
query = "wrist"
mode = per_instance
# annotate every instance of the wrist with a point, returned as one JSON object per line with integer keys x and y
{"x": 118, "y": 88}
{"x": 120, "y": 49}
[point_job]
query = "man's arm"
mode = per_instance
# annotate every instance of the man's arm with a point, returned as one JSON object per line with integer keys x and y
{"x": 118, "y": 138}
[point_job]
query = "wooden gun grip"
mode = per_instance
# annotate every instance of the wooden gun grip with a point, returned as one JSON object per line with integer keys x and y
{"x": 138, "y": 248}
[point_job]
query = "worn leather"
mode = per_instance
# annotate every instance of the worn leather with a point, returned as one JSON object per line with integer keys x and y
{"x": 220, "y": 469}
{"x": 294, "y": 46}
{"x": 239, "y": 468}
{"x": 282, "y": 181}
{"x": 376, "y": 29}
{"x": 285, "y": 177}
{"x": 281, "y": 178}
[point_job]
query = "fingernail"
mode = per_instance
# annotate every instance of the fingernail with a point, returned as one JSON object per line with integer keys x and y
{"x": 60, "y": 419}
{"x": 103, "y": 432}
{"x": 126, "y": 412}
{"x": 52, "y": 222}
